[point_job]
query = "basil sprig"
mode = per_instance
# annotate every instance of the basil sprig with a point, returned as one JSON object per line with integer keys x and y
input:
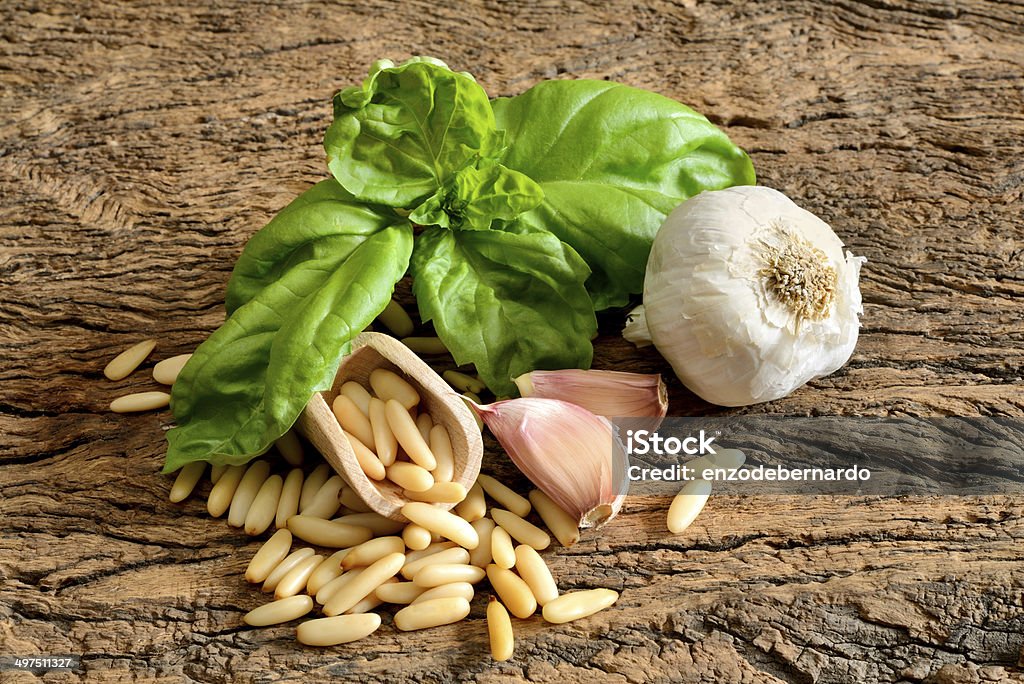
{"x": 535, "y": 212}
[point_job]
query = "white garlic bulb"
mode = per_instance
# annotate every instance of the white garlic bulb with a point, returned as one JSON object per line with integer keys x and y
{"x": 748, "y": 296}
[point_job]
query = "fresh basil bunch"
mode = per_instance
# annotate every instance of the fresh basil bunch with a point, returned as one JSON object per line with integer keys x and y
{"x": 532, "y": 213}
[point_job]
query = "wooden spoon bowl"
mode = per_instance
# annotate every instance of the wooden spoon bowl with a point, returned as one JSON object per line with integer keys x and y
{"x": 320, "y": 426}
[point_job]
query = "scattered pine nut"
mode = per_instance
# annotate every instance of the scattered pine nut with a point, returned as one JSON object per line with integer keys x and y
{"x": 440, "y": 492}
{"x": 340, "y": 629}
{"x": 326, "y": 501}
{"x": 216, "y": 471}
{"x": 452, "y": 589}
{"x": 534, "y": 571}
{"x": 324, "y": 594}
{"x": 222, "y": 493}
{"x": 512, "y": 591}
{"x": 268, "y": 556}
{"x": 371, "y": 551}
{"x": 255, "y": 475}
{"x": 285, "y": 566}
{"x": 396, "y": 319}
{"x": 363, "y": 585}
{"x": 441, "y": 446}
{"x": 369, "y": 602}
{"x": 166, "y": 372}
{"x": 442, "y": 522}
{"x": 687, "y": 505}
{"x": 436, "y": 574}
{"x": 474, "y": 506}
{"x": 482, "y": 555}
{"x": 578, "y": 604}
{"x": 499, "y": 630}
{"x": 375, "y": 522}
{"x": 521, "y": 530}
{"x": 383, "y": 437}
{"x": 295, "y": 580}
{"x": 329, "y": 570}
{"x": 290, "y": 448}
{"x": 408, "y": 435}
{"x": 561, "y": 524}
{"x": 399, "y": 592}
{"x": 451, "y": 555}
{"x": 352, "y": 420}
{"x": 502, "y": 550}
{"x": 314, "y": 481}
{"x": 327, "y": 533}
{"x": 429, "y": 346}
{"x": 434, "y": 613}
{"x": 390, "y": 385}
{"x": 276, "y": 612}
{"x": 122, "y": 365}
{"x": 504, "y": 496}
{"x": 358, "y": 394}
{"x": 288, "y": 503}
{"x": 463, "y": 382}
{"x": 264, "y": 507}
{"x": 410, "y": 476}
{"x": 140, "y": 401}
{"x": 186, "y": 480}
{"x": 415, "y": 537}
{"x": 350, "y": 500}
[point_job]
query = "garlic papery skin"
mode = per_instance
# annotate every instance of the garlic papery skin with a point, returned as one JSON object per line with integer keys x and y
{"x": 612, "y": 394}
{"x": 569, "y": 453}
{"x": 748, "y": 296}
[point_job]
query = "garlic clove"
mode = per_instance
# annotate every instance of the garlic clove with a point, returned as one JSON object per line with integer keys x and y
{"x": 612, "y": 394}
{"x": 568, "y": 452}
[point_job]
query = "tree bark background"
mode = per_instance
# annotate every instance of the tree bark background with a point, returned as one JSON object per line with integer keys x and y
{"x": 142, "y": 143}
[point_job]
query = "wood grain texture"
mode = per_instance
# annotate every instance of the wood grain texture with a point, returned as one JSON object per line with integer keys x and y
{"x": 142, "y": 143}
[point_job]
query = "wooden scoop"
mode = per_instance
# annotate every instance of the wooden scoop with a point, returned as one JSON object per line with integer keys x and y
{"x": 369, "y": 352}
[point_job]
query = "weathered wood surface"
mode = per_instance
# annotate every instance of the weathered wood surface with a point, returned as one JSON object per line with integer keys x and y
{"x": 142, "y": 143}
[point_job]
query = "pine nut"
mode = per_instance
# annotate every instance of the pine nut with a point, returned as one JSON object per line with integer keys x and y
{"x": 325, "y": 502}
{"x": 410, "y": 476}
{"x": 324, "y": 593}
{"x": 375, "y": 522}
{"x": 408, "y": 435}
{"x": 268, "y": 556}
{"x": 285, "y": 566}
{"x": 728, "y": 458}
{"x": 441, "y": 447}
{"x": 122, "y": 365}
{"x": 504, "y": 496}
{"x": 499, "y": 630}
{"x": 399, "y": 592}
{"x": 502, "y": 551}
{"x": 222, "y": 492}
{"x": 561, "y": 524}
{"x": 425, "y": 345}
{"x": 369, "y": 602}
{"x": 534, "y": 571}
{"x": 276, "y": 612}
{"x": 383, "y": 437}
{"x": 474, "y": 506}
{"x": 350, "y": 500}
{"x": 186, "y": 480}
{"x": 578, "y": 604}
{"x": 340, "y": 629}
{"x": 371, "y": 578}
{"x": 436, "y": 547}
{"x": 461, "y": 589}
{"x": 389, "y": 385}
{"x": 328, "y": 570}
{"x": 367, "y": 460}
{"x": 290, "y": 448}
{"x": 312, "y": 484}
{"x": 246, "y": 492}
{"x": 463, "y": 382}
{"x": 434, "y": 613}
{"x": 481, "y": 555}
{"x": 288, "y": 504}
{"x": 521, "y": 530}
{"x": 445, "y": 573}
{"x": 396, "y": 319}
{"x": 264, "y": 507}
{"x": 216, "y": 471}
{"x": 166, "y": 372}
{"x": 295, "y": 581}
{"x": 415, "y": 537}
{"x": 327, "y": 533}
{"x": 424, "y": 423}
{"x": 442, "y": 522}
{"x": 370, "y": 552}
{"x": 358, "y": 394}
{"x": 140, "y": 401}
{"x": 687, "y": 505}
{"x": 440, "y": 492}
{"x": 512, "y": 591}
{"x": 444, "y": 556}
{"x": 352, "y": 420}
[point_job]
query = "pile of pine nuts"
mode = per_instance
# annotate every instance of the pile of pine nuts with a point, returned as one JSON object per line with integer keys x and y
{"x": 363, "y": 560}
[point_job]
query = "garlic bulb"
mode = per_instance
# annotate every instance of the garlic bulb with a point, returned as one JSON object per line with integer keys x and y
{"x": 748, "y": 296}
{"x": 569, "y": 453}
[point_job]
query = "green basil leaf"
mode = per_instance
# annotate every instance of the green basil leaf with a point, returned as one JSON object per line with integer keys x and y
{"x": 295, "y": 235}
{"x": 612, "y": 162}
{"x": 506, "y": 302}
{"x": 477, "y": 196}
{"x": 397, "y": 138}
{"x": 246, "y": 384}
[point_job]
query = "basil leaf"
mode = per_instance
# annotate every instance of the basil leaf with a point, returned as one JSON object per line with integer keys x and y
{"x": 612, "y": 161}
{"x": 506, "y": 302}
{"x": 246, "y": 385}
{"x": 397, "y": 138}
{"x": 477, "y": 196}
{"x": 294, "y": 235}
